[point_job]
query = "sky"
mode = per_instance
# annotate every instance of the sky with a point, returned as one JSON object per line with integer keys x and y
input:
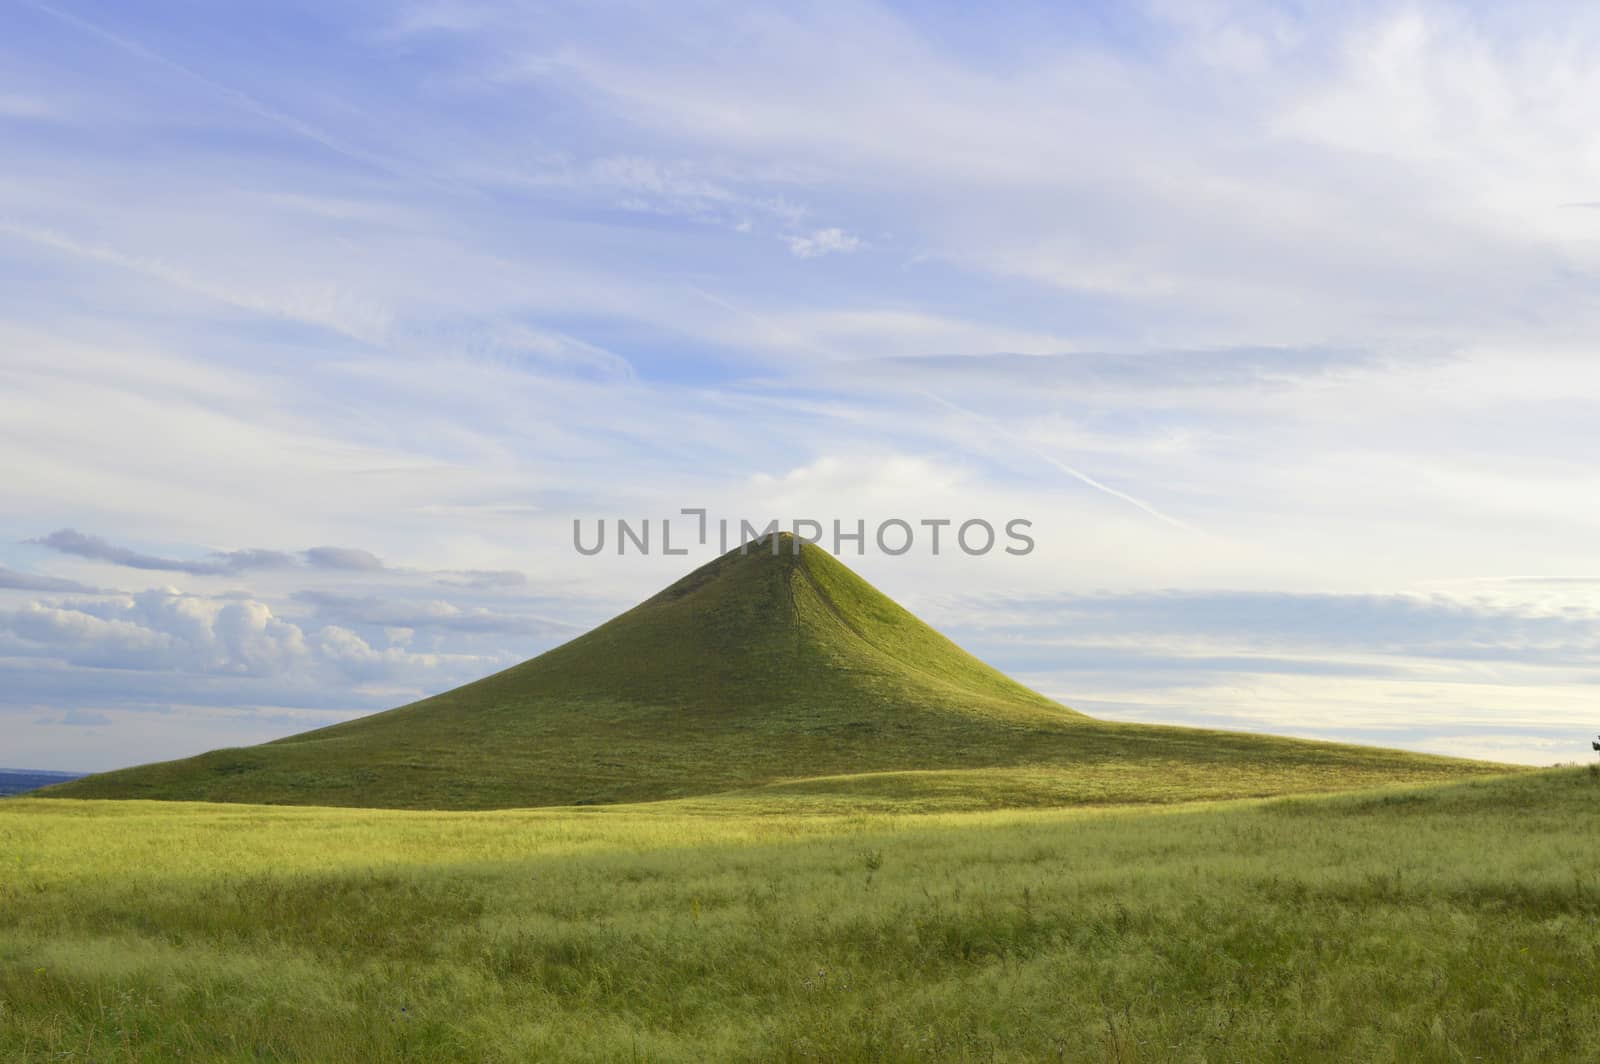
{"x": 320, "y": 324}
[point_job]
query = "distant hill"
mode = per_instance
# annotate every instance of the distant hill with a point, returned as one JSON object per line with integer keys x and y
{"x": 783, "y": 674}
{"x": 22, "y": 780}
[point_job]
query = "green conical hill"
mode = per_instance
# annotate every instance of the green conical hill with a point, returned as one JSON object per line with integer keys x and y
{"x": 779, "y": 674}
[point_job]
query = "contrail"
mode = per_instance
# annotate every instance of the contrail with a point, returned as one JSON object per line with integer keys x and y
{"x": 235, "y": 96}
{"x": 372, "y": 326}
{"x": 1076, "y": 474}
{"x": 776, "y": 329}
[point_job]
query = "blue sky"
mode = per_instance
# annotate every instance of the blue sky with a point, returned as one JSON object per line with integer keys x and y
{"x": 319, "y": 324}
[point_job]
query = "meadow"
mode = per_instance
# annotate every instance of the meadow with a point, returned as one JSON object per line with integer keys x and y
{"x": 1453, "y": 922}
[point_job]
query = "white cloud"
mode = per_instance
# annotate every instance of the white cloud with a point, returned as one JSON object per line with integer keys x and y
{"x": 90, "y": 640}
{"x": 823, "y": 242}
{"x": 166, "y": 629}
{"x": 1308, "y": 281}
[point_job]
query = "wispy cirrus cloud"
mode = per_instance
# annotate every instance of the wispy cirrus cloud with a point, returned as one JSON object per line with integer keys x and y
{"x": 1308, "y": 282}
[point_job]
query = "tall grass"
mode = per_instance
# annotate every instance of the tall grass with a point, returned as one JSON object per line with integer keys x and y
{"x": 1456, "y": 923}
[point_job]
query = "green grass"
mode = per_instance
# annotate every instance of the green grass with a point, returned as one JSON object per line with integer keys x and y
{"x": 1451, "y": 923}
{"x": 756, "y": 672}
{"x": 785, "y": 820}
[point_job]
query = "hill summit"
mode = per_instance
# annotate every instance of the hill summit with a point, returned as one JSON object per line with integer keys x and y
{"x": 771, "y": 669}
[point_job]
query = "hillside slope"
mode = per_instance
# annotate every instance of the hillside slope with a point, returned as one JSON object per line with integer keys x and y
{"x": 754, "y": 671}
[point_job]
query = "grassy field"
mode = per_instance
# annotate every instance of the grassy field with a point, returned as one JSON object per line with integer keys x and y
{"x": 750, "y": 672}
{"x": 786, "y": 820}
{"x": 1452, "y": 923}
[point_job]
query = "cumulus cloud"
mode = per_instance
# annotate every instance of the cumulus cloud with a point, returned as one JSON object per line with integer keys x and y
{"x": 357, "y": 658}
{"x": 166, "y": 629}
{"x": 86, "y": 639}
